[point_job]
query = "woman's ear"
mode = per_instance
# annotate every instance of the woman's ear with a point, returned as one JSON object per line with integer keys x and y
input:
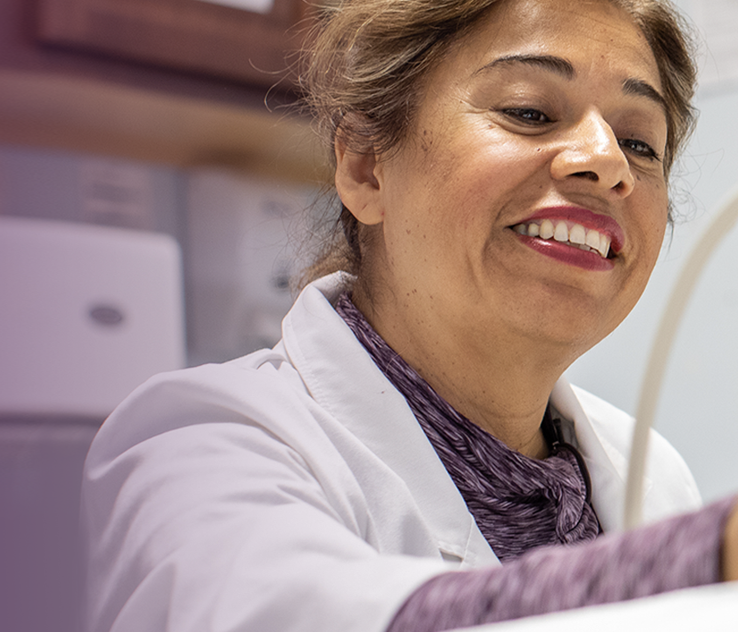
{"x": 357, "y": 183}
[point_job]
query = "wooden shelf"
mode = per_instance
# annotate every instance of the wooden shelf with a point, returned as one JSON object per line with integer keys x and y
{"x": 79, "y": 114}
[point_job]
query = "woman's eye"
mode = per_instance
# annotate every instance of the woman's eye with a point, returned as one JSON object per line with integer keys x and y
{"x": 527, "y": 115}
{"x": 639, "y": 148}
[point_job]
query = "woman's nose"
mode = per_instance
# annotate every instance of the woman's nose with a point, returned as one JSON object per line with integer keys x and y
{"x": 591, "y": 151}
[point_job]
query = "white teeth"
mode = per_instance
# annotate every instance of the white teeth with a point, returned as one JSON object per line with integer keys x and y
{"x": 577, "y": 235}
{"x": 547, "y": 229}
{"x": 561, "y": 232}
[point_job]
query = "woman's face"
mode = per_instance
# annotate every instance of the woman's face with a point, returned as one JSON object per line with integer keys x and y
{"x": 530, "y": 194}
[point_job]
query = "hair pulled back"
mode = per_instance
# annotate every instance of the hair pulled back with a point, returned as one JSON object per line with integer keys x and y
{"x": 362, "y": 79}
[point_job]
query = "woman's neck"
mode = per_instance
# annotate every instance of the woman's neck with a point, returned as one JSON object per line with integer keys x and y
{"x": 499, "y": 380}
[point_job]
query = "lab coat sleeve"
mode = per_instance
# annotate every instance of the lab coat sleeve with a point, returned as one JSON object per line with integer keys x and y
{"x": 201, "y": 515}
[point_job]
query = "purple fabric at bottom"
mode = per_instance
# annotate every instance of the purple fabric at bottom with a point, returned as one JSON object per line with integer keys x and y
{"x": 681, "y": 552}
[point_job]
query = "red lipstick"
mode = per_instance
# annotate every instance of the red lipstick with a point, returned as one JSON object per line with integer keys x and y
{"x": 566, "y": 252}
{"x": 588, "y": 219}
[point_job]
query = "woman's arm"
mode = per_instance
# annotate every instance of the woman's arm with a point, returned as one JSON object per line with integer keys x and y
{"x": 682, "y": 552}
{"x": 200, "y": 518}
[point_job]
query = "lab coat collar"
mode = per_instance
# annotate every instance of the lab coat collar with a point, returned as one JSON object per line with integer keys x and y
{"x": 344, "y": 380}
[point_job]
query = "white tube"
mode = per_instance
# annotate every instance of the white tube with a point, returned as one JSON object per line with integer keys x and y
{"x": 724, "y": 221}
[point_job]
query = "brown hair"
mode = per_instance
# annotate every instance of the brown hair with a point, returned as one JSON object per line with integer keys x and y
{"x": 362, "y": 79}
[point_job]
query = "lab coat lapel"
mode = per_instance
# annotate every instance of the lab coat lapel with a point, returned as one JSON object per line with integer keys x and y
{"x": 607, "y": 464}
{"x": 344, "y": 380}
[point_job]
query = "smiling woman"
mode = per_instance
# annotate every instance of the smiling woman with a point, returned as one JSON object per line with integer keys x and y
{"x": 502, "y": 170}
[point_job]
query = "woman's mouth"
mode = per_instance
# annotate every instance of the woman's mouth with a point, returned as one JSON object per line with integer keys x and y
{"x": 568, "y": 233}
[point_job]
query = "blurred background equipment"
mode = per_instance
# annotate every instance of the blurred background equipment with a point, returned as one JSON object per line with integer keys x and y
{"x": 87, "y": 312}
{"x": 244, "y": 237}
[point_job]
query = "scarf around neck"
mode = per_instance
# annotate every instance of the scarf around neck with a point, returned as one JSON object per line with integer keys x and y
{"x": 519, "y": 503}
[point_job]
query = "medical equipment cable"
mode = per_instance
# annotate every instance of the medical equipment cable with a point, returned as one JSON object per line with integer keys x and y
{"x": 672, "y": 316}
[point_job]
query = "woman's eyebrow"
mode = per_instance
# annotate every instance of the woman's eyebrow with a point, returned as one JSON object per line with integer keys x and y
{"x": 565, "y": 68}
{"x": 558, "y": 65}
{"x": 642, "y": 88}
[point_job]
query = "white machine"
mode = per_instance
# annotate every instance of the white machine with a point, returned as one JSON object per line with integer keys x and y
{"x": 87, "y": 313}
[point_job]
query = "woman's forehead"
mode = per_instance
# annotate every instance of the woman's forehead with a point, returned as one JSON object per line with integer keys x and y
{"x": 582, "y": 32}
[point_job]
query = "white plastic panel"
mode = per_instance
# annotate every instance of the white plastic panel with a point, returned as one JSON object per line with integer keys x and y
{"x": 87, "y": 313}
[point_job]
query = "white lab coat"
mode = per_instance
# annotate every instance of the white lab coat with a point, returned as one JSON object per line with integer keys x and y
{"x": 293, "y": 490}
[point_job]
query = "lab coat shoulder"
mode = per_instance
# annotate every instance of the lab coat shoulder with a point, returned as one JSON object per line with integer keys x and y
{"x": 224, "y": 497}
